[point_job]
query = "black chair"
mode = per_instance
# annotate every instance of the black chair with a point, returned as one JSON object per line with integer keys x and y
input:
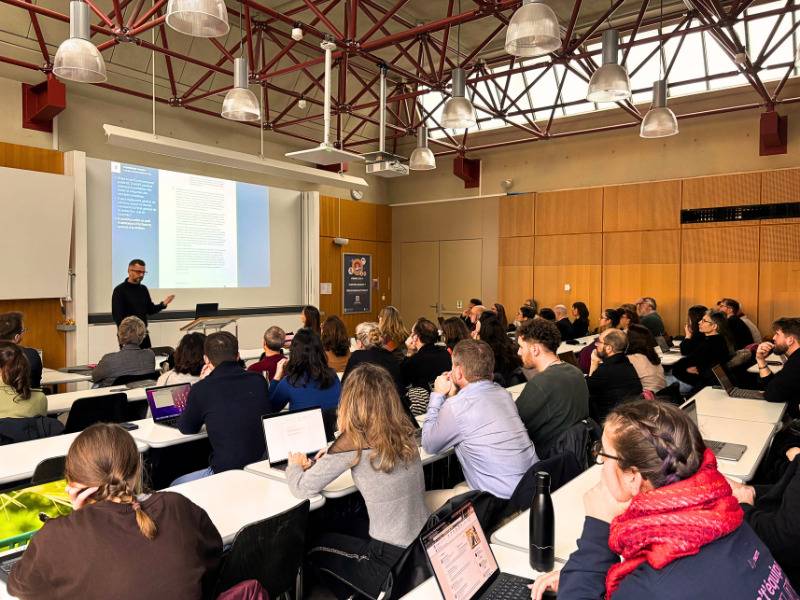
{"x": 578, "y": 439}
{"x": 111, "y": 408}
{"x": 270, "y": 551}
{"x": 126, "y": 379}
{"x": 50, "y": 469}
{"x": 330, "y": 420}
{"x": 28, "y": 428}
{"x": 562, "y": 469}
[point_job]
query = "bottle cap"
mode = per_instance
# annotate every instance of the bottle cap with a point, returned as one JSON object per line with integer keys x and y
{"x": 543, "y": 479}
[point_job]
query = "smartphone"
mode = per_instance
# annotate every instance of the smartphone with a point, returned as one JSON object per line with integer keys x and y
{"x": 129, "y": 426}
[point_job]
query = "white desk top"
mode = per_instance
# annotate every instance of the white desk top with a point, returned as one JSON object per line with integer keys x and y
{"x": 509, "y": 560}
{"x": 17, "y": 461}
{"x": 773, "y": 368}
{"x": 569, "y": 515}
{"x": 53, "y": 377}
{"x": 58, "y": 403}
{"x": 576, "y": 348}
{"x": 671, "y": 357}
{"x": 161, "y": 436}
{"x": 716, "y": 403}
{"x": 234, "y": 499}
{"x": 756, "y": 436}
{"x": 251, "y": 354}
{"x": 342, "y": 485}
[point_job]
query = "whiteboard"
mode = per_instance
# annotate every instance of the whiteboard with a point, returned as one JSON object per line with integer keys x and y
{"x": 36, "y": 211}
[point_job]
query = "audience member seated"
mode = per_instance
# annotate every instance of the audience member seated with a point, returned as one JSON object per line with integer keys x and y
{"x": 530, "y": 302}
{"x": 188, "y": 361}
{"x": 468, "y": 316}
{"x": 130, "y": 359}
{"x": 608, "y": 319}
{"x": 305, "y": 379}
{"x": 523, "y": 314}
{"x": 642, "y": 355}
{"x": 548, "y": 313}
{"x": 393, "y": 331}
{"x": 556, "y": 397}
{"x": 580, "y": 326}
{"x": 17, "y": 399}
{"x": 425, "y": 360}
{"x": 505, "y": 352}
{"x": 369, "y": 340}
{"x": 336, "y": 343}
{"x": 750, "y": 325}
{"x": 646, "y": 308}
{"x": 662, "y": 505}
{"x": 562, "y": 322}
{"x": 742, "y": 336}
{"x": 479, "y": 419}
{"x": 310, "y": 318}
{"x": 612, "y": 377}
{"x": 716, "y": 349}
{"x": 229, "y": 401}
{"x": 377, "y": 443}
{"x": 274, "y": 340}
{"x": 627, "y": 318}
{"x": 454, "y": 330}
{"x": 694, "y": 337}
{"x": 117, "y": 542}
{"x": 500, "y": 311}
{"x": 771, "y": 510}
{"x": 783, "y": 386}
{"x": 12, "y": 328}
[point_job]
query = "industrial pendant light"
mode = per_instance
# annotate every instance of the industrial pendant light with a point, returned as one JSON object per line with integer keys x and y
{"x": 199, "y": 18}
{"x": 458, "y": 112}
{"x": 610, "y": 82}
{"x": 422, "y": 158}
{"x": 659, "y": 120}
{"x": 77, "y": 59}
{"x": 533, "y": 30}
{"x": 240, "y": 103}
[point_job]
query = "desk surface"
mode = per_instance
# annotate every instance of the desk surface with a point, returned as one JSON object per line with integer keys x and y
{"x": 756, "y": 436}
{"x": 716, "y": 403}
{"x": 671, "y": 357}
{"x": 53, "y": 377}
{"x": 569, "y": 515}
{"x": 576, "y": 348}
{"x": 17, "y": 461}
{"x": 773, "y": 368}
{"x": 58, "y": 403}
{"x": 161, "y": 436}
{"x": 509, "y": 560}
{"x": 234, "y": 499}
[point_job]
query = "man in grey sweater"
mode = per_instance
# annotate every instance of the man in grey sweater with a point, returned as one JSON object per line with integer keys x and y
{"x": 557, "y": 396}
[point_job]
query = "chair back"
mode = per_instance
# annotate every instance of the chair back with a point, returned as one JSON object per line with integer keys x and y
{"x": 126, "y": 379}
{"x": 270, "y": 551}
{"x": 96, "y": 409}
{"x": 578, "y": 440}
{"x": 245, "y": 590}
{"x": 562, "y": 469}
{"x": 29, "y": 428}
{"x": 50, "y": 469}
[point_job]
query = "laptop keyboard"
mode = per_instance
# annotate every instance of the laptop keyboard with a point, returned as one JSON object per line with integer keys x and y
{"x": 714, "y": 446}
{"x": 5, "y": 566}
{"x": 510, "y": 587}
{"x": 752, "y": 394}
{"x": 173, "y": 422}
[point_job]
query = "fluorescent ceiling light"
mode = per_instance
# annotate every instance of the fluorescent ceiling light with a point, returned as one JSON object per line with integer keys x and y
{"x": 147, "y": 142}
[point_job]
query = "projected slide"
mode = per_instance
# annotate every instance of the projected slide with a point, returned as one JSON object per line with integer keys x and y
{"x": 192, "y": 231}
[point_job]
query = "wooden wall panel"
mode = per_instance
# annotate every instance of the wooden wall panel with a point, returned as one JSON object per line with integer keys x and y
{"x": 779, "y": 284}
{"x": 330, "y": 271}
{"x": 384, "y": 223}
{"x": 41, "y": 314}
{"x": 736, "y": 189}
{"x": 639, "y": 264}
{"x": 720, "y": 262}
{"x": 515, "y": 285}
{"x": 569, "y": 211}
{"x": 517, "y": 215}
{"x": 642, "y": 206}
{"x": 516, "y": 252}
{"x": 383, "y": 267}
{"x": 328, "y": 216}
{"x": 779, "y": 187}
{"x": 359, "y": 220}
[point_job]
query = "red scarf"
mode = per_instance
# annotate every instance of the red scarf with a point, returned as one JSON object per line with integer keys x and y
{"x": 673, "y": 521}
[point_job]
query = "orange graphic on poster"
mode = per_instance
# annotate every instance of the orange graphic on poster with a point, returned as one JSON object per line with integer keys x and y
{"x": 357, "y": 267}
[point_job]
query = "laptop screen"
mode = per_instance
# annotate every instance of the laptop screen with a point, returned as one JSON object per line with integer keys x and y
{"x": 168, "y": 401}
{"x": 460, "y": 555}
{"x": 294, "y": 431}
{"x": 21, "y": 508}
{"x": 690, "y": 408}
{"x": 208, "y": 309}
{"x": 662, "y": 343}
{"x": 722, "y": 378}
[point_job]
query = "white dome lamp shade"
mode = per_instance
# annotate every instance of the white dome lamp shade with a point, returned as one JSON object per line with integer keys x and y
{"x": 240, "y": 103}
{"x": 77, "y": 59}
{"x": 609, "y": 83}
{"x": 533, "y": 30}
{"x": 422, "y": 159}
{"x": 659, "y": 121}
{"x": 458, "y": 112}
{"x": 198, "y": 18}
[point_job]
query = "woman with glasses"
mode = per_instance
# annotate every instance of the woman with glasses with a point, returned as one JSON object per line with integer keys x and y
{"x": 693, "y": 370}
{"x": 662, "y": 505}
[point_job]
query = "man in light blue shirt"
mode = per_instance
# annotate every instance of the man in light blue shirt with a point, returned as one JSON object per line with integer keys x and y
{"x": 469, "y": 411}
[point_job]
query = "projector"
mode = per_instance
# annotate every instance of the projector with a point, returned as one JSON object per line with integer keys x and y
{"x": 385, "y": 164}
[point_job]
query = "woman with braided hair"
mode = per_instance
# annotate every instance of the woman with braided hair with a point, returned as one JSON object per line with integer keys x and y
{"x": 117, "y": 543}
{"x": 663, "y": 507}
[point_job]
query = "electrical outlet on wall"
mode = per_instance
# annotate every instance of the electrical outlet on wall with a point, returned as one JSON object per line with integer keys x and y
{"x": 567, "y": 287}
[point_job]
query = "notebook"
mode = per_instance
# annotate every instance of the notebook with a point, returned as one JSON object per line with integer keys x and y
{"x": 167, "y": 402}
{"x": 463, "y": 563}
{"x": 723, "y": 450}
{"x": 732, "y": 391}
{"x": 300, "y": 430}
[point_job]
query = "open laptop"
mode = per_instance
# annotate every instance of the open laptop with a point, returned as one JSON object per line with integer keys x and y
{"x": 732, "y": 391}
{"x": 294, "y": 431}
{"x": 723, "y": 450}
{"x": 208, "y": 309}
{"x": 663, "y": 344}
{"x": 463, "y": 563}
{"x": 167, "y": 402}
{"x": 569, "y": 358}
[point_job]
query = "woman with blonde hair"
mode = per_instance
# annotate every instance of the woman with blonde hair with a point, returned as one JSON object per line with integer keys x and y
{"x": 393, "y": 331}
{"x": 117, "y": 542}
{"x": 377, "y": 444}
{"x": 370, "y": 349}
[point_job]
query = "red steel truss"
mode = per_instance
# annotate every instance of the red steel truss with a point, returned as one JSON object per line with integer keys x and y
{"x": 419, "y": 58}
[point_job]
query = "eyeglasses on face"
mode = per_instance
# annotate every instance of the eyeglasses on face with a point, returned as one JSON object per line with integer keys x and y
{"x": 597, "y": 452}
{"x": 707, "y": 321}
{"x": 138, "y": 271}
